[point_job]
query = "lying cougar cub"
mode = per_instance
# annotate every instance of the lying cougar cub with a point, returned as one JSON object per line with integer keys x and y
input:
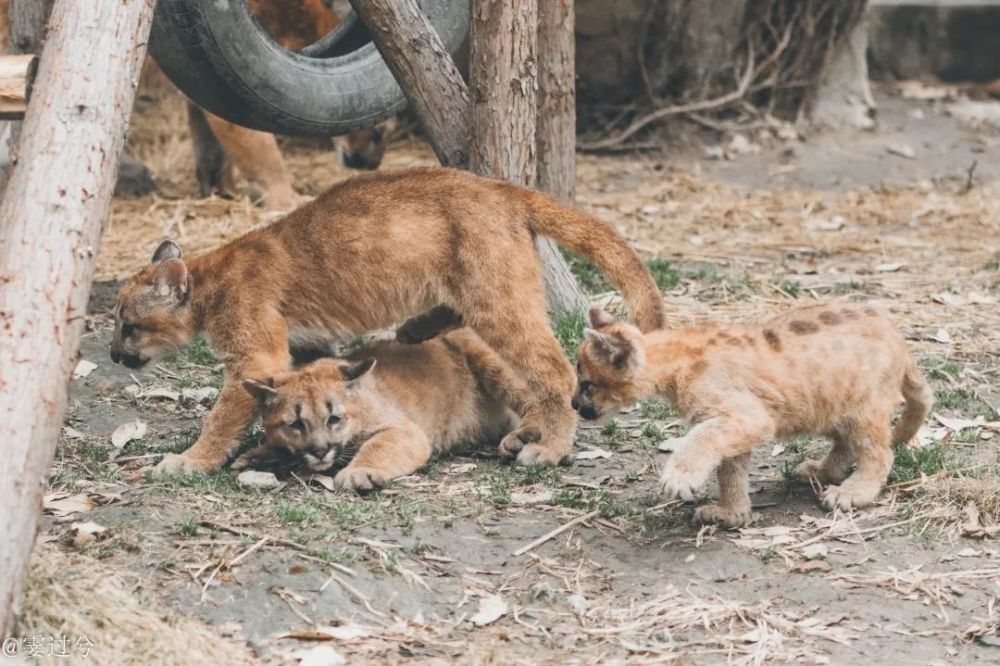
{"x": 831, "y": 370}
{"x": 390, "y": 407}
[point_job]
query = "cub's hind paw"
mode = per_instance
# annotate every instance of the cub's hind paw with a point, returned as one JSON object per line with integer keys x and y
{"x": 360, "y": 479}
{"x": 849, "y": 495}
{"x": 809, "y": 469}
{"x": 716, "y": 514}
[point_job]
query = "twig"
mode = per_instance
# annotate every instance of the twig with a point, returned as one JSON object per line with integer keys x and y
{"x": 253, "y": 535}
{"x": 970, "y": 172}
{"x": 556, "y": 532}
{"x": 357, "y": 595}
{"x": 667, "y": 111}
{"x": 246, "y": 552}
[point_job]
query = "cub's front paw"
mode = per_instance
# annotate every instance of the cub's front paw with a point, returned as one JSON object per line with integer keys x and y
{"x": 681, "y": 481}
{"x": 850, "y": 495}
{"x": 514, "y": 442}
{"x": 542, "y": 454}
{"x": 814, "y": 469}
{"x": 175, "y": 463}
{"x": 360, "y": 479}
{"x": 716, "y": 514}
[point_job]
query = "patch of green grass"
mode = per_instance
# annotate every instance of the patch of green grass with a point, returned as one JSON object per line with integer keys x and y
{"x": 909, "y": 463}
{"x": 707, "y": 273}
{"x": 992, "y": 265}
{"x": 297, "y": 514}
{"x": 590, "y": 500}
{"x": 953, "y": 398}
{"x": 188, "y": 527}
{"x": 587, "y": 274}
{"x": 612, "y": 432}
{"x": 664, "y": 273}
{"x": 988, "y": 412}
{"x": 656, "y": 409}
{"x": 222, "y": 481}
{"x": 503, "y": 479}
{"x": 968, "y": 436}
{"x": 854, "y": 287}
{"x": 199, "y": 352}
{"x": 791, "y": 287}
{"x": 946, "y": 370}
{"x": 767, "y": 553}
{"x": 652, "y": 432}
{"x": 569, "y": 333}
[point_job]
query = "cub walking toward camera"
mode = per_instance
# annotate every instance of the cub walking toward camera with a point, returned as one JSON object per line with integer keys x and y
{"x": 830, "y": 370}
{"x": 388, "y": 408}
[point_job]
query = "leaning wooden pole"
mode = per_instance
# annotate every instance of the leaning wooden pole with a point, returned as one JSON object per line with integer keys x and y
{"x": 503, "y": 77}
{"x": 50, "y": 224}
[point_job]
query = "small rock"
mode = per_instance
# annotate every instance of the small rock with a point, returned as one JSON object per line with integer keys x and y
{"x": 577, "y": 602}
{"x": 531, "y": 499}
{"x": 902, "y": 150}
{"x": 689, "y": 559}
{"x": 259, "y": 480}
{"x": 321, "y": 655}
{"x": 199, "y": 396}
{"x": 650, "y": 209}
{"x": 128, "y": 432}
{"x": 835, "y": 223}
{"x": 132, "y": 391}
{"x": 968, "y": 552}
{"x": 815, "y": 551}
{"x": 741, "y": 145}
{"x": 72, "y": 433}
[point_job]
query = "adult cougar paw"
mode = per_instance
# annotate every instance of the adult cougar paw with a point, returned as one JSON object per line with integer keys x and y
{"x": 716, "y": 514}
{"x": 175, "y": 463}
{"x": 360, "y": 479}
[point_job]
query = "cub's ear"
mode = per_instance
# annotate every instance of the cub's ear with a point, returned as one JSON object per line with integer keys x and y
{"x": 171, "y": 280}
{"x": 167, "y": 250}
{"x": 610, "y": 348}
{"x": 264, "y": 391}
{"x": 352, "y": 371}
{"x": 599, "y": 318}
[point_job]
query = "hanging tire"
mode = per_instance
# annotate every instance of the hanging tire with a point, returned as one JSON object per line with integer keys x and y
{"x": 216, "y": 54}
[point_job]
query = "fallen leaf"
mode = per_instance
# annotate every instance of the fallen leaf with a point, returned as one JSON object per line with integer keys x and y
{"x": 199, "y": 396}
{"x": 593, "y": 453}
{"x": 968, "y": 552}
{"x": 60, "y": 504}
{"x": 944, "y": 298}
{"x": 777, "y": 450}
{"x": 815, "y": 551}
{"x": 956, "y": 424}
{"x": 160, "y": 393}
{"x": 835, "y": 223}
{"x": 322, "y": 479}
{"x": 251, "y": 478}
{"x": 689, "y": 559}
{"x": 128, "y": 432}
{"x": 942, "y": 336}
{"x": 531, "y": 499}
{"x": 810, "y": 566}
{"x": 72, "y": 433}
{"x": 83, "y": 368}
{"x": 902, "y": 150}
{"x": 889, "y": 267}
{"x": 491, "y": 609}
{"x": 577, "y": 602}
{"x": 86, "y": 533}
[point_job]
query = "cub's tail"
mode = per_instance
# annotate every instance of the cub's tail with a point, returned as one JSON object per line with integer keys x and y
{"x": 918, "y": 399}
{"x": 595, "y": 240}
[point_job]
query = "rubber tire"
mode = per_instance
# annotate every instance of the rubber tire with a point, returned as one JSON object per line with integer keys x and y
{"x": 217, "y": 55}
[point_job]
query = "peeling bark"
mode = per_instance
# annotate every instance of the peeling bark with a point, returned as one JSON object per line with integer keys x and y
{"x": 50, "y": 225}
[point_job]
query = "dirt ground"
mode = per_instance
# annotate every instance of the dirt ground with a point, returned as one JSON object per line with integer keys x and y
{"x": 426, "y": 570}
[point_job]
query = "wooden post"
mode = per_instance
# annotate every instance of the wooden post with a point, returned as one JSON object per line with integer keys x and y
{"x": 503, "y": 78}
{"x": 56, "y": 201}
{"x": 16, "y": 72}
{"x": 27, "y": 32}
{"x": 425, "y": 71}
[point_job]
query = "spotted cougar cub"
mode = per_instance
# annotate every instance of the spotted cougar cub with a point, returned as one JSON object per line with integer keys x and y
{"x": 829, "y": 370}
{"x": 387, "y": 409}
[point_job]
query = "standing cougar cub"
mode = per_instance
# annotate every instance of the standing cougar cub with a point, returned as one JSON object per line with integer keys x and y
{"x": 388, "y": 408}
{"x": 830, "y": 370}
{"x": 368, "y": 253}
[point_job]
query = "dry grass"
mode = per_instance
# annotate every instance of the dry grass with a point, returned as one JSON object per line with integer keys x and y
{"x": 77, "y": 596}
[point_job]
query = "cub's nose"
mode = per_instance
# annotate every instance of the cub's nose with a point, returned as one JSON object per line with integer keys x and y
{"x": 588, "y": 413}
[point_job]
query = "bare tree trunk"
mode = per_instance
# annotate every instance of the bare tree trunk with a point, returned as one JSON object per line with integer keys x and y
{"x": 557, "y": 100}
{"x": 425, "y": 71}
{"x": 556, "y": 137}
{"x": 57, "y": 199}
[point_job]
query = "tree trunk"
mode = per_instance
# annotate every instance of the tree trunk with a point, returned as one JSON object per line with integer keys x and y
{"x": 503, "y": 80}
{"x": 425, "y": 71}
{"x": 57, "y": 199}
{"x": 556, "y": 137}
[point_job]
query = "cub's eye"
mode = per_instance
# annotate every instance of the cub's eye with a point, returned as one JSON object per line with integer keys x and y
{"x": 298, "y": 424}
{"x": 128, "y": 330}
{"x": 333, "y": 420}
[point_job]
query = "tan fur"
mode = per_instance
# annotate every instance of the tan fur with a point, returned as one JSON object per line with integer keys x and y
{"x": 829, "y": 370}
{"x": 368, "y": 253}
{"x": 418, "y": 400}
